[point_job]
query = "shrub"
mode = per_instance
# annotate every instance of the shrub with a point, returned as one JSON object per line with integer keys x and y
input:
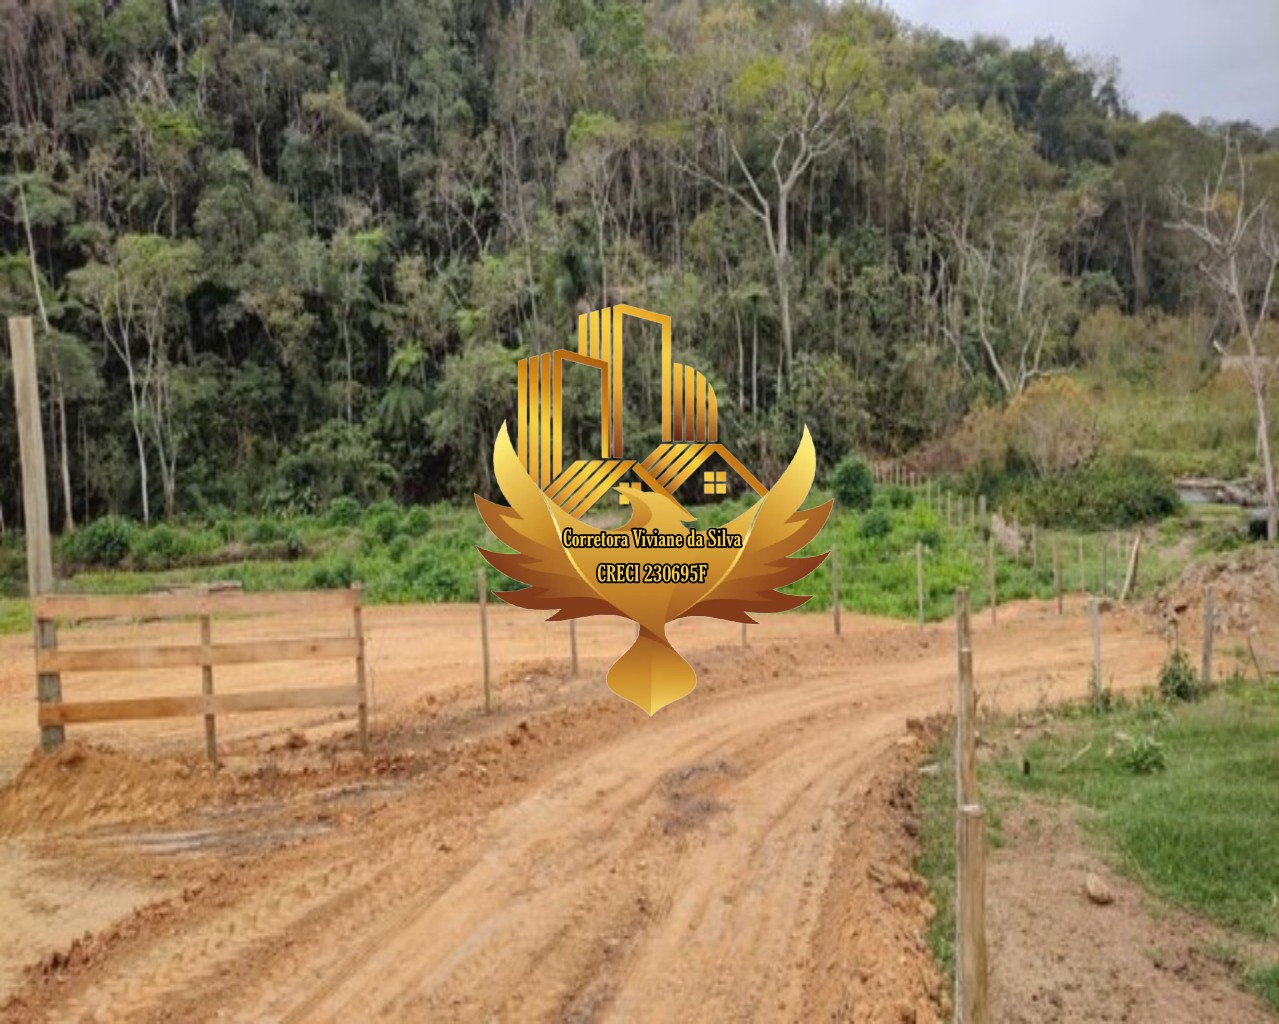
{"x": 900, "y": 497}
{"x": 1143, "y": 755}
{"x": 264, "y": 531}
{"x": 417, "y": 521}
{"x": 161, "y": 546}
{"x": 1177, "y": 679}
{"x": 343, "y": 511}
{"x": 381, "y": 526}
{"x": 876, "y": 523}
{"x": 105, "y": 542}
{"x": 333, "y": 575}
{"x": 1112, "y": 491}
{"x": 853, "y": 483}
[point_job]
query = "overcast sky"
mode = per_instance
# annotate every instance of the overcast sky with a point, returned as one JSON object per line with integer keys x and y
{"x": 1200, "y": 58}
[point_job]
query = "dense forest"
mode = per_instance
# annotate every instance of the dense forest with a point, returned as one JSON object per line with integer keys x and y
{"x": 280, "y": 251}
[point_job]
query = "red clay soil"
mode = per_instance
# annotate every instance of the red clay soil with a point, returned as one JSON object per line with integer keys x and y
{"x": 743, "y": 855}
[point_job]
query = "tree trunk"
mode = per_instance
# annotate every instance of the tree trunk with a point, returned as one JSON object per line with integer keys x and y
{"x": 142, "y": 465}
{"x": 755, "y": 362}
{"x": 68, "y": 517}
{"x": 1263, "y": 440}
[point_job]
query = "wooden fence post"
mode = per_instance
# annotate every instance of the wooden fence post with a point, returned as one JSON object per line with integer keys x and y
{"x": 35, "y": 508}
{"x": 990, "y": 579}
{"x": 1209, "y": 627}
{"x": 482, "y": 577}
{"x": 965, "y": 707}
{"x": 1094, "y": 612}
{"x": 744, "y": 642}
{"x": 361, "y": 673}
{"x": 206, "y": 687}
{"x": 834, "y": 587}
{"x": 971, "y": 1003}
{"x": 1130, "y": 578}
{"x": 1057, "y": 573}
{"x": 572, "y": 645}
{"x": 919, "y": 579}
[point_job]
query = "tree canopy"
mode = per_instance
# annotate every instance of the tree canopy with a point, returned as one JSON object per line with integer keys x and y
{"x": 277, "y": 241}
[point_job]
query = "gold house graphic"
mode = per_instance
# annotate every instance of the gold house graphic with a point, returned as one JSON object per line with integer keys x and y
{"x": 690, "y": 421}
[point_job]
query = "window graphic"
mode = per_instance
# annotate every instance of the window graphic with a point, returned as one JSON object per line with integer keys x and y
{"x": 715, "y": 482}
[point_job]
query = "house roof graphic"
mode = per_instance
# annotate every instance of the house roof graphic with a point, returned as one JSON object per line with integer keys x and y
{"x": 690, "y": 417}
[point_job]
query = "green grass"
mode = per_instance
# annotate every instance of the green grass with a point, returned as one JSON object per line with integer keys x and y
{"x": 428, "y": 554}
{"x": 1199, "y": 833}
{"x": 936, "y": 860}
{"x": 1265, "y": 982}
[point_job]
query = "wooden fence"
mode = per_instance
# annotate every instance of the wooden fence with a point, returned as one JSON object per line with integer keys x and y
{"x": 50, "y": 609}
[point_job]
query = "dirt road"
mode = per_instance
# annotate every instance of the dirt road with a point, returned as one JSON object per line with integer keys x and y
{"x": 744, "y": 855}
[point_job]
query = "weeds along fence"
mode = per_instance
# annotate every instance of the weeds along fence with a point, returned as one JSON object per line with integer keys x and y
{"x": 204, "y": 652}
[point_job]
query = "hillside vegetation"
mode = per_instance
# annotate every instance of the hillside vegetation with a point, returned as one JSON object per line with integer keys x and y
{"x": 281, "y": 252}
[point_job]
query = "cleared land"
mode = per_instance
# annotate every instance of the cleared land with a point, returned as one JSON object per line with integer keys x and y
{"x": 743, "y": 855}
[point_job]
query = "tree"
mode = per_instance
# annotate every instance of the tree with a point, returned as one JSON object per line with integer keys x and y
{"x": 136, "y": 295}
{"x": 1238, "y": 239}
{"x": 777, "y": 115}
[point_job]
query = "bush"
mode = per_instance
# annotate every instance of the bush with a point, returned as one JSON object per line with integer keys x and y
{"x": 161, "y": 546}
{"x": 105, "y": 542}
{"x": 417, "y": 521}
{"x": 381, "y": 526}
{"x": 876, "y": 523}
{"x": 333, "y": 575}
{"x": 264, "y": 531}
{"x": 343, "y": 511}
{"x": 900, "y": 497}
{"x": 853, "y": 483}
{"x": 1109, "y": 492}
{"x": 1143, "y": 755}
{"x": 1177, "y": 679}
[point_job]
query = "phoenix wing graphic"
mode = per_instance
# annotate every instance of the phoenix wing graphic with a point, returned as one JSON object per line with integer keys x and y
{"x": 739, "y": 580}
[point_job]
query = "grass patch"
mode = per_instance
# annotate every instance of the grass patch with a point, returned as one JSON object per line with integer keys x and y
{"x": 1200, "y": 830}
{"x": 428, "y": 554}
{"x": 1264, "y": 981}
{"x": 936, "y": 860}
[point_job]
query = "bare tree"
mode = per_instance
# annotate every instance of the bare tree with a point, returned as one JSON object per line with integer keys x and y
{"x": 1239, "y": 242}
{"x": 795, "y": 116}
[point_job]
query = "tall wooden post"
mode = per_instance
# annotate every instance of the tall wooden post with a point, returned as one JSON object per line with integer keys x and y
{"x": 572, "y": 645}
{"x": 482, "y": 578}
{"x": 361, "y": 671}
{"x": 1130, "y": 577}
{"x": 834, "y": 587}
{"x": 1094, "y": 613}
{"x": 919, "y": 579}
{"x": 972, "y": 1001}
{"x": 206, "y": 687}
{"x": 1057, "y": 574}
{"x": 35, "y": 507}
{"x": 965, "y": 707}
{"x": 990, "y": 580}
{"x": 744, "y": 640}
{"x": 1209, "y": 629}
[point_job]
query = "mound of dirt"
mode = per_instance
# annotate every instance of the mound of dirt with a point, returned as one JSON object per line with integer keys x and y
{"x": 1245, "y": 587}
{"x": 83, "y": 784}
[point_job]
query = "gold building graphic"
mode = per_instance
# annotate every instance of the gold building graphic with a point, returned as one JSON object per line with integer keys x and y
{"x": 690, "y": 422}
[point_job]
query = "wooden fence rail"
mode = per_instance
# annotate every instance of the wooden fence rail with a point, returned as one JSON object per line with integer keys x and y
{"x": 50, "y": 609}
